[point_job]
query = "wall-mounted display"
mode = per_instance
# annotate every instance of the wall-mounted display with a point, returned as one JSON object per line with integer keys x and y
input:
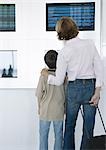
{"x": 8, "y": 63}
{"x": 82, "y": 13}
{"x": 7, "y": 17}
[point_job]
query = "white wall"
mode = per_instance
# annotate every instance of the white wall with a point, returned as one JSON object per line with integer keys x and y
{"x": 18, "y": 119}
{"x": 18, "y": 107}
{"x": 31, "y": 40}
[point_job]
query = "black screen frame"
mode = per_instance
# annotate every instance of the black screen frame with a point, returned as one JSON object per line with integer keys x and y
{"x": 69, "y": 4}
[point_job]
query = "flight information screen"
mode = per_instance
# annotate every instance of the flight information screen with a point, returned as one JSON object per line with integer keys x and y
{"x": 82, "y": 13}
{"x": 7, "y": 17}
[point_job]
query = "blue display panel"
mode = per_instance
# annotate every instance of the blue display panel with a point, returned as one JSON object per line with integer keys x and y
{"x": 82, "y": 13}
{"x": 7, "y": 17}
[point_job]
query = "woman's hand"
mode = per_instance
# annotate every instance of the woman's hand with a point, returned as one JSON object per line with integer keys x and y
{"x": 96, "y": 97}
{"x": 44, "y": 72}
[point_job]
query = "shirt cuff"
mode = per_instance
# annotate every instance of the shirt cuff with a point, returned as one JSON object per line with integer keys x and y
{"x": 50, "y": 79}
{"x": 99, "y": 83}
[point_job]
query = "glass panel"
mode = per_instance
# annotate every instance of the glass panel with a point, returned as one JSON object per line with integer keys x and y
{"x": 8, "y": 63}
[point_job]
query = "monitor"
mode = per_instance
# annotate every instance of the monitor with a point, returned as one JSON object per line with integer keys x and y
{"x": 7, "y": 17}
{"x": 83, "y": 13}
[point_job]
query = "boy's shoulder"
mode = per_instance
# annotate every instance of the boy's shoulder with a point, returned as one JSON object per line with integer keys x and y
{"x": 42, "y": 78}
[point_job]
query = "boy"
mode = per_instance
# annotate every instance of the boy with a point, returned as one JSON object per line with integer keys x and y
{"x": 51, "y": 101}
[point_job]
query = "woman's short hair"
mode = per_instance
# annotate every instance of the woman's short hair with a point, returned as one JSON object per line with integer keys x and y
{"x": 66, "y": 28}
{"x": 50, "y": 59}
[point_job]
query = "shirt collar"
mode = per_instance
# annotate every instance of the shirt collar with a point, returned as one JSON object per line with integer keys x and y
{"x": 72, "y": 40}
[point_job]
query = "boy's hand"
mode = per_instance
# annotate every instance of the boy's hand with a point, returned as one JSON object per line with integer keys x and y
{"x": 39, "y": 109}
{"x": 38, "y": 112}
{"x": 44, "y": 72}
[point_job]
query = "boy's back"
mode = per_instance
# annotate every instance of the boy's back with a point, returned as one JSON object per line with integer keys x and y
{"x": 51, "y": 100}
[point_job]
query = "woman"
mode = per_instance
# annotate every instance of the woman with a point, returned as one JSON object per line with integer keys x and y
{"x": 80, "y": 60}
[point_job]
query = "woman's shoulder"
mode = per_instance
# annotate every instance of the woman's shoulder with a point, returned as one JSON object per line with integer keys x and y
{"x": 89, "y": 41}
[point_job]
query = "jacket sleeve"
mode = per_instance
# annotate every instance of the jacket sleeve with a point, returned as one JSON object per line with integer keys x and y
{"x": 40, "y": 89}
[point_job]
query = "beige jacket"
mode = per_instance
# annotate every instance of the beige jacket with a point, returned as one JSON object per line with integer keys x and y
{"x": 51, "y": 100}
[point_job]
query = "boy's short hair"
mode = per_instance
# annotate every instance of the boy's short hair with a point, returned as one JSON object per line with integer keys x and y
{"x": 66, "y": 28}
{"x": 50, "y": 59}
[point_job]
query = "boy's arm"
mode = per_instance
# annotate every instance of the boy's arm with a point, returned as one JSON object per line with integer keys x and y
{"x": 40, "y": 91}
